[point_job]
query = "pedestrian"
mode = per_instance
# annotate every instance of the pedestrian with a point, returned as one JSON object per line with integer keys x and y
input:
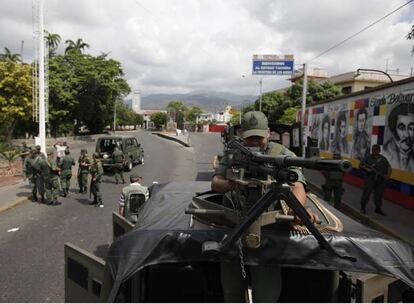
{"x": 51, "y": 171}
{"x": 333, "y": 184}
{"x": 30, "y": 172}
{"x": 265, "y": 279}
{"x": 377, "y": 172}
{"x": 83, "y": 170}
{"x": 60, "y": 149}
{"x": 66, "y": 163}
{"x": 132, "y": 198}
{"x": 96, "y": 172}
{"x": 24, "y": 153}
{"x": 118, "y": 159}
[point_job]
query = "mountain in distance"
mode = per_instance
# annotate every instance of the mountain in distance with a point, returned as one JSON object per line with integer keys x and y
{"x": 208, "y": 101}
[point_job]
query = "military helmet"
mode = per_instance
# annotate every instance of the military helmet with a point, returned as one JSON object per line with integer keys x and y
{"x": 96, "y": 155}
{"x": 84, "y": 150}
{"x": 134, "y": 177}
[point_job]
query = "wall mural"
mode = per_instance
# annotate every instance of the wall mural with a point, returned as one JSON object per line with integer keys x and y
{"x": 352, "y": 127}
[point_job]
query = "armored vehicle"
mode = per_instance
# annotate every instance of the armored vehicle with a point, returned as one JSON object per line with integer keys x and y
{"x": 163, "y": 257}
{"x": 129, "y": 145}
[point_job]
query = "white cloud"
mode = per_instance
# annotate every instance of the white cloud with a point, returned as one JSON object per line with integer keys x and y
{"x": 183, "y": 45}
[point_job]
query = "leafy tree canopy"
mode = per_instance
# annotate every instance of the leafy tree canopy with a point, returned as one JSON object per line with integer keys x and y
{"x": 193, "y": 113}
{"x": 159, "y": 119}
{"x": 15, "y": 94}
{"x": 8, "y": 55}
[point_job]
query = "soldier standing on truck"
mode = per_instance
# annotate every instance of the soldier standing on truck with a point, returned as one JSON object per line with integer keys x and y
{"x": 333, "y": 184}
{"x": 96, "y": 172}
{"x": 118, "y": 159}
{"x": 83, "y": 170}
{"x": 66, "y": 163}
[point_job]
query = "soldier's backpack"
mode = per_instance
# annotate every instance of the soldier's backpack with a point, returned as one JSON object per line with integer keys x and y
{"x": 134, "y": 202}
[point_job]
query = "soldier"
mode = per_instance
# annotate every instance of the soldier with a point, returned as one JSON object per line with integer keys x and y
{"x": 50, "y": 172}
{"x": 40, "y": 178}
{"x": 118, "y": 159}
{"x": 66, "y": 163}
{"x": 124, "y": 202}
{"x": 30, "y": 172}
{"x": 96, "y": 172}
{"x": 24, "y": 153}
{"x": 377, "y": 172}
{"x": 333, "y": 184}
{"x": 83, "y": 170}
{"x": 265, "y": 279}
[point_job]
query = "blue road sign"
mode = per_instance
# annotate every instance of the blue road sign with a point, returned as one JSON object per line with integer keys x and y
{"x": 273, "y": 67}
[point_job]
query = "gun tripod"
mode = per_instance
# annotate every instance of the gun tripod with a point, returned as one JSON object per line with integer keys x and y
{"x": 276, "y": 191}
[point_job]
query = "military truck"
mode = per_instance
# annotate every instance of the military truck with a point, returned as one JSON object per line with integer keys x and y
{"x": 162, "y": 257}
{"x": 129, "y": 145}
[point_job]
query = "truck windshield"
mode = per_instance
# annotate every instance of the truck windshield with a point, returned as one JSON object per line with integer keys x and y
{"x": 108, "y": 145}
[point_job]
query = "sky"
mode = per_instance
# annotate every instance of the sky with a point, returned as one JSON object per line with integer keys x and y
{"x": 178, "y": 46}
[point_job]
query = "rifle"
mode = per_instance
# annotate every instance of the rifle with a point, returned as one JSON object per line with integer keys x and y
{"x": 266, "y": 180}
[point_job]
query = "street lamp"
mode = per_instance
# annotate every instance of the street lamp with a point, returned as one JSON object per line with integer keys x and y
{"x": 372, "y": 70}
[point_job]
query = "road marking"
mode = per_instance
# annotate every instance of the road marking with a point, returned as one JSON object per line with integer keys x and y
{"x": 13, "y": 229}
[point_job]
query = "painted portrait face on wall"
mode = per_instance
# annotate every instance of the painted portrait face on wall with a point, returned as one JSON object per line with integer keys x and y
{"x": 361, "y": 120}
{"x": 342, "y": 128}
{"x": 405, "y": 131}
{"x": 325, "y": 130}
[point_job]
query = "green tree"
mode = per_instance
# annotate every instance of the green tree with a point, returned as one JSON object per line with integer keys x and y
{"x": 15, "y": 95}
{"x": 316, "y": 91}
{"x": 8, "y": 55}
{"x": 177, "y": 110}
{"x": 159, "y": 119}
{"x": 77, "y": 46}
{"x": 289, "y": 115}
{"x": 192, "y": 114}
{"x": 83, "y": 88}
{"x": 235, "y": 120}
{"x": 52, "y": 42}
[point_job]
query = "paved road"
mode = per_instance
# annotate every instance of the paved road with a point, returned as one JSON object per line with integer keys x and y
{"x": 31, "y": 258}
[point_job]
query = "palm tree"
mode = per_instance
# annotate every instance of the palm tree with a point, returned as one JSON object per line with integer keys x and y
{"x": 8, "y": 55}
{"x": 77, "y": 46}
{"x": 52, "y": 41}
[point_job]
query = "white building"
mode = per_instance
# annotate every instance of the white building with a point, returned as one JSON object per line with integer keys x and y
{"x": 136, "y": 102}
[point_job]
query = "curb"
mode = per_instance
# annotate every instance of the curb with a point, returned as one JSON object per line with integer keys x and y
{"x": 13, "y": 204}
{"x": 171, "y": 138}
{"x": 365, "y": 220}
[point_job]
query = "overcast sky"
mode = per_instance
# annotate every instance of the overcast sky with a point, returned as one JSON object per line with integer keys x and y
{"x": 176, "y": 46}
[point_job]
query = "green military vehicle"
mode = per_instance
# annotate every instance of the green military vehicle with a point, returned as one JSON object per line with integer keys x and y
{"x": 164, "y": 257}
{"x": 129, "y": 145}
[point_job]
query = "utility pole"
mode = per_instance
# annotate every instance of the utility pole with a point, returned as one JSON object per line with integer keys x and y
{"x": 386, "y": 65}
{"x": 115, "y": 116}
{"x": 21, "y": 50}
{"x": 42, "y": 116}
{"x": 260, "y": 96}
{"x": 304, "y": 93}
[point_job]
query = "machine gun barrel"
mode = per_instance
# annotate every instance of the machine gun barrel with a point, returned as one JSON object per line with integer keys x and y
{"x": 283, "y": 161}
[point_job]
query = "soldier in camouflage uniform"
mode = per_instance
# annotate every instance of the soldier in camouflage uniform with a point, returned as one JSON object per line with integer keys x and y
{"x": 96, "y": 171}
{"x": 118, "y": 159}
{"x": 50, "y": 172}
{"x": 37, "y": 165}
{"x": 30, "y": 172}
{"x": 265, "y": 279}
{"x": 333, "y": 184}
{"x": 66, "y": 163}
{"x": 83, "y": 170}
{"x": 377, "y": 172}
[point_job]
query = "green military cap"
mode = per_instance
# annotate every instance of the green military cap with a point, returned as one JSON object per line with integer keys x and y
{"x": 96, "y": 155}
{"x": 254, "y": 123}
{"x": 134, "y": 176}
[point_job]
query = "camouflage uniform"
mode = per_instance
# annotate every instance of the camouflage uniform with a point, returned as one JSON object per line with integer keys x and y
{"x": 333, "y": 184}
{"x": 40, "y": 177}
{"x": 96, "y": 171}
{"x": 375, "y": 180}
{"x": 118, "y": 159}
{"x": 83, "y": 170}
{"x": 31, "y": 173}
{"x": 66, "y": 163}
{"x": 265, "y": 279}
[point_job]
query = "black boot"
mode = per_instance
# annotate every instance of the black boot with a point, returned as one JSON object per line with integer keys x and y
{"x": 64, "y": 192}
{"x": 34, "y": 198}
{"x": 100, "y": 204}
{"x": 94, "y": 201}
{"x": 43, "y": 198}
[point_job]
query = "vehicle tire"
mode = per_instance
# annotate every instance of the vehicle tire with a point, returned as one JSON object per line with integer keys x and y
{"x": 128, "y": 166}
{"x": 141, "y": 159}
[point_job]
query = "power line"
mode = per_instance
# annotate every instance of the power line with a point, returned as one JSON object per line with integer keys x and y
{"x": 359, "y": 32}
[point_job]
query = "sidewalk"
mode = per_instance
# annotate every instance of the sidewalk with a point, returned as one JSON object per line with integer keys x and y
{"x": 398, "y": 222}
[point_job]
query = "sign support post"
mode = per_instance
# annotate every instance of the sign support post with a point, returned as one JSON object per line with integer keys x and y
{"x": 304, "y": 93}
